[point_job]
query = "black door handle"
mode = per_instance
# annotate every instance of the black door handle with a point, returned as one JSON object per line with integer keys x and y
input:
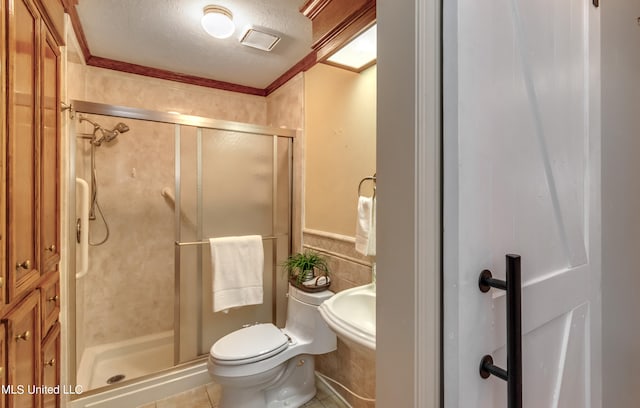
{"x": 513, "y": 373}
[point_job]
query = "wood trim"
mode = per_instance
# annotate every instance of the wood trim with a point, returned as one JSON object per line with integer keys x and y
{"x": 303, "y": 65}
{"x": 312, "y": 8}
{"x": 359, "y": 21}
{"x": 329, "y": 43}
{"x": 172, "y": 76}
{"x": 52, "y": 13}
{"x": 77, "y": 28}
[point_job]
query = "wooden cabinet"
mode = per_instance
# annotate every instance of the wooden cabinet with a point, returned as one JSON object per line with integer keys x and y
{"x": 22, "y": 147}
{"x": 50, "y": 154}
{"x": 29, "y": 202}
{"x": 23, "y": 352}
{"x": 3, "y": 362}
{"x": 50, "y": 371}
{"x": 50, "y": 302}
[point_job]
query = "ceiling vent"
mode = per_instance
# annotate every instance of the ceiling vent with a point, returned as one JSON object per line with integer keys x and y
{"x": 259, "y": 39}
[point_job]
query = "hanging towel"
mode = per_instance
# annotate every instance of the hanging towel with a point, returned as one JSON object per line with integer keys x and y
{"x": 371, "y": 242}
{"x": 237, "y": 267}
{"x": 366, "y": 226}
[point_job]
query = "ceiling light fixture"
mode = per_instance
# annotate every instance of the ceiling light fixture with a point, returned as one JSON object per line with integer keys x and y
{"x": 218, "y": 22}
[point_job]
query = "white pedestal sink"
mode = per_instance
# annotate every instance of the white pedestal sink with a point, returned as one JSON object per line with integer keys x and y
{"x": 351, "y": 314}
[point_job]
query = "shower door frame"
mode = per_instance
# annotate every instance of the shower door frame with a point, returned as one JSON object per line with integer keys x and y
{"x": 200, "y": 123}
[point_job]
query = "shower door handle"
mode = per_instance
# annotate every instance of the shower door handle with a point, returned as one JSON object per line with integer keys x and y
{"x": 513, "y": 374}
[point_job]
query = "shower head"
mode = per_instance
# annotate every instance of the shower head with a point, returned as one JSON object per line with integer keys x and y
{"x": 106, "y": 134}
{"x": 121, "y": 128}
{"x": 109, "y": 135}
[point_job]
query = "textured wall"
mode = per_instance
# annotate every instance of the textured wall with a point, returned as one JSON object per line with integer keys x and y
{"x": 119, "y": 88}
{"x": 285, "y": 106}
{"x": 340, "y": 145}
{"x": 130, "y": 286}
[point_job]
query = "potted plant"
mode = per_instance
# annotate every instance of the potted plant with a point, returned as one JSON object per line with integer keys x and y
{"x": 305, "y": 266}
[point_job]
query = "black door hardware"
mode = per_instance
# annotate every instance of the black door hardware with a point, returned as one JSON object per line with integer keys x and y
{"x": 513, "y": 374}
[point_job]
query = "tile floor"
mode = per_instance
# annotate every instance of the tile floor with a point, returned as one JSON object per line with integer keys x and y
{"x": 207, "y": 396}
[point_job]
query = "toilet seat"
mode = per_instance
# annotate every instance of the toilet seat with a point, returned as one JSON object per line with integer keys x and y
{"x": 249, "y": 344}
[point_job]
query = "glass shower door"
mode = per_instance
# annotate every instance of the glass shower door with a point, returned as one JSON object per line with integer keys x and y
{"x": 228, "y": 184}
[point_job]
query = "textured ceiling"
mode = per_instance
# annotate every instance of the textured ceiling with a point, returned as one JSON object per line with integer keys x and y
{"x": 166, "y": 34}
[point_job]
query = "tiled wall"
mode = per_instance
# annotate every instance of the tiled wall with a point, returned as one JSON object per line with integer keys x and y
{"x": 354, "y": 369}
{"x": 133, "y": 270}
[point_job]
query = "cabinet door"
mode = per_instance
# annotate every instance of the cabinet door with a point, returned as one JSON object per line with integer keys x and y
{"x": 3, "y": 152}
{"x": 50, "y": 302}
{"x": 22, "y": 146}
{"x": 50, "y": 367}
{"x": 23, "y": 338}
{"x": 3, "y": 363}
{"x": 50, "y": 170}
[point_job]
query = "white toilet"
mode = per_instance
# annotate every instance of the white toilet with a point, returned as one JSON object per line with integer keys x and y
{"x": 262, "y": 366}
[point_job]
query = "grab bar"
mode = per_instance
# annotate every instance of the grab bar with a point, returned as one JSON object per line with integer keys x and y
{"x": 207, "y": 242}
{"x": 82, "y": 227}
{"x": 513, "y": 373}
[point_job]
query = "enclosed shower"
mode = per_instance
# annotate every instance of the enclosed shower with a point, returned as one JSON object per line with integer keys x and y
{"x": 143, "y": 298}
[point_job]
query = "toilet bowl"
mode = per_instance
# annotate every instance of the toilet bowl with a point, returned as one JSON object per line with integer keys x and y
{"x": 263, "y": 366}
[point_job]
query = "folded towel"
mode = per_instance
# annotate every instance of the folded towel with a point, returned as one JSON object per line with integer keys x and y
{"x": 237, "y": 267}
{"x": 365, "y": 227}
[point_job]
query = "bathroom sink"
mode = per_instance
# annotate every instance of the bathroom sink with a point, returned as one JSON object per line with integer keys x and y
{"x": 351, "y": 314}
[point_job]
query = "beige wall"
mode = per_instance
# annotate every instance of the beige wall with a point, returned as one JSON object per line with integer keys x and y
{"x": 340, "y": 145}
{"x": 339, "y": 150}
{"x": 134, "y": 269}
{"x": 120, "y": 88}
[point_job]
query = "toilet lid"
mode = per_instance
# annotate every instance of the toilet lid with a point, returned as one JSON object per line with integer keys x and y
{"x": 250, "y": 344}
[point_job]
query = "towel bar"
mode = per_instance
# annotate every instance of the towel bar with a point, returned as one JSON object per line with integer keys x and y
{"x": 207, "y": 242}
{"x": 372, "y": 178}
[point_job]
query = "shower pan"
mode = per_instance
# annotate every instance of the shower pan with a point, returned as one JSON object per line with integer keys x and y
{"x": 143, "y": 320}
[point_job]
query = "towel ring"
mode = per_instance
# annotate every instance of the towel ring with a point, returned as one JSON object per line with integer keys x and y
{"x": 372, "y": 178}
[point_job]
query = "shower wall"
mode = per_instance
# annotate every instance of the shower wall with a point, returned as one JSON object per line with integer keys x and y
{"x": 130, "y": 287}
{"x": 132, "y": 271}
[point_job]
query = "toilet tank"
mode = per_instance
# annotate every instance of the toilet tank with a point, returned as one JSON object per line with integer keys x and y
{"x": 306, "y": 324}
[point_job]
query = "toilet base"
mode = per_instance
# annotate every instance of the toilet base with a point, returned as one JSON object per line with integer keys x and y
{"x": 291, "y": 389}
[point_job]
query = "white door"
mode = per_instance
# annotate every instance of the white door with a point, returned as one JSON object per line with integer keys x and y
{"x": 521, "y": 175}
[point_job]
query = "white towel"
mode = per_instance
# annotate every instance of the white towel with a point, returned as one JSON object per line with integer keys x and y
{"x": 366, "y": 226}
{"x": 237, "y": 267}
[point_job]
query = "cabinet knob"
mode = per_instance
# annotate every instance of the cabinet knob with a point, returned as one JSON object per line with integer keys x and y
{"x": 24, "y": 336}
{"x": 51, "y": 248}
{"x": 51, "y": 362}
{"x": 53, "y": 298}
{"x": 24, "y": 265}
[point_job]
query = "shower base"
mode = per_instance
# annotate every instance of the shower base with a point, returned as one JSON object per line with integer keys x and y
{"x": 117, "y": 362}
